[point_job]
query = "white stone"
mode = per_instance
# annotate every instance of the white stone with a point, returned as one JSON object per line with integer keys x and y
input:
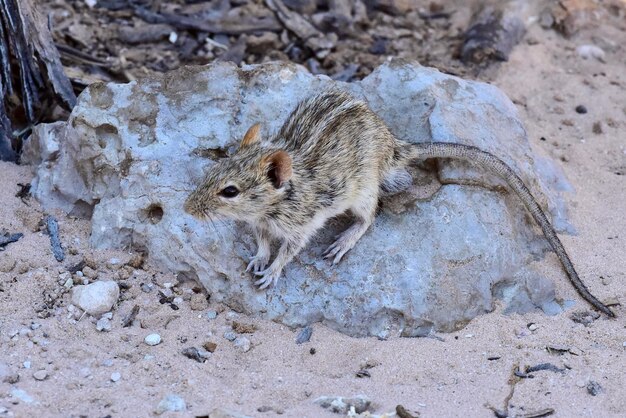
{"x": 591, "y": 51}
{"x": 153, "y": 339}
{"x": 96, "y": 298}
{"x": 171, "y": 403}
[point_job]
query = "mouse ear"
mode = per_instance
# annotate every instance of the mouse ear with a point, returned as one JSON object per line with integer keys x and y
{"x": 251, "y": 136}
{"x": 280, "y": 169}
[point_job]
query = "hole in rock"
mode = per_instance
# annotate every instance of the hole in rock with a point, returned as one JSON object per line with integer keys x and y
{"x": 106, "y": 134}
{"x": 154, "y": 213}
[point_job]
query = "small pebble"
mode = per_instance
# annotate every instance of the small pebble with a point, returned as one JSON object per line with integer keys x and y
{"x": 153, "y": 339}
{"x": 103, "y": 325}
{"x": 116, "y": 376}
{"x": 581, "y": 109}
{"x": 304, "y": 335}
{"x": 171, "y": 403}
{"x": 533, "y": 327}
{"x": 40, "y": 375}
{"x": 590, "y": 51}
{"x": 35, "y": 325}
{"x": 199, "y": 355}
{"x": 89, "y": 272}
{"x": 211, "y": 314}
{"x": 12, "y": 378}
{"x": 597, "y": 128}
{"x": 198, "y": 302}
{"x": 243, "y": 343}
{"x": 593, "y": 388}
{"x": 210, "y": 346}
{"x": 147, "y": 287}
{"x": 26, "y": 364}
{"x": 230, "y": 335}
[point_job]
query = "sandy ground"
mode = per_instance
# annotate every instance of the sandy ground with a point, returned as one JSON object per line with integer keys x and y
{"x": 465, "y": 372}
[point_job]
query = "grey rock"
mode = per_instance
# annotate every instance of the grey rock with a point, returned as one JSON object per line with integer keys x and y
{"x": 304, "y": 335}
{"x": 199, "y": 355}
{"x": 340, "y": 405}
{"x": 96, "y": 298}
{"x": 116, "y": 376}
{"x": 242, "y": 343}
{"x": 153, "y": 339}
{"x": 40, "y": 375}
{"x": 437, "y": 256}
{"x": 211, "y": 314}
{"x": 103, "y": 325}
{"x": 230, "y": 335}
{"x": 593, "y": 388}
{"x": 171, "y": 403}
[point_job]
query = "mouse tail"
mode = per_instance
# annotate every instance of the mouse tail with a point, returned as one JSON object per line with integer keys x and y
{"x": 491, "y": 162}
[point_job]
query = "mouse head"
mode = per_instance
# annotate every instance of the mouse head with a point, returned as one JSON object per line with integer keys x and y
{"x": 245, "y": 185}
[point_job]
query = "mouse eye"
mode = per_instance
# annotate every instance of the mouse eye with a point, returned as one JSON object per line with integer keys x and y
{"x": 230, "y": 191}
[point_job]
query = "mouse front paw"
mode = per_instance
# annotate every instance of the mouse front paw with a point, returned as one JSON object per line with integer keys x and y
{"x": 258, "y": 263}
{"x": 269, "y": 277}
